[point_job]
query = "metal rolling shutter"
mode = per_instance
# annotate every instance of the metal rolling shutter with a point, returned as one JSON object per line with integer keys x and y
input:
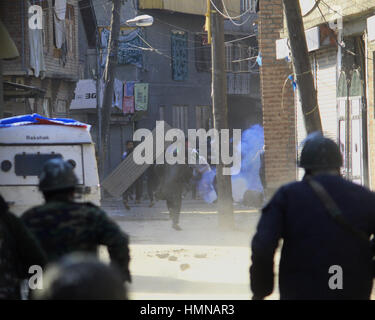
{"x": 324, "y": 70}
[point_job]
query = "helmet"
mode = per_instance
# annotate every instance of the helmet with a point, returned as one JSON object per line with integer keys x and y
{"x": 320, "y": 152}
{"x": 57, "y": 174}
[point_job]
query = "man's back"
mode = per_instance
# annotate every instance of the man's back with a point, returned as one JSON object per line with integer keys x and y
{"x": 313, "y": 242}
{"x": 65, "y": 227}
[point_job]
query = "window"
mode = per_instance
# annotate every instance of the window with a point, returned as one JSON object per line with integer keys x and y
{"x": 69, "y": 25}
{"x": 43, "y": 107}
{"x": 31, "y": 164}
{"x": 239, "y": 57}
{"x": 202, "y": 53}
{"x": 179, "y": 52}
{"x": 61, "y": 107}
{"x": 236, "y": 57}
{"x": 249, "y": 5}
{"x": 162, "y": 113}
{"x": 203, "y": 117}
{"x": 180, "y": 118}
{"x": 228, "y": 56}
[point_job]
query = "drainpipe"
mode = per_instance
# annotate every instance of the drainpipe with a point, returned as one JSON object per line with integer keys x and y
{"x": 98, "y": 105}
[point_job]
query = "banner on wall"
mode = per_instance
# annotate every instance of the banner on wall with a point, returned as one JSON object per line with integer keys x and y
{"x": 141, "y": 96}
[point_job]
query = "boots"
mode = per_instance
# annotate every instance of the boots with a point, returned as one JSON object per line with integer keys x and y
{"x": 176, "y": 226}
{"x": 126, "y": 205}
{"x": 175, "y": 217}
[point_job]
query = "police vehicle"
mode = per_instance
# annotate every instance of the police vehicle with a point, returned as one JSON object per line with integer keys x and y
{"x": 27, "y": 142}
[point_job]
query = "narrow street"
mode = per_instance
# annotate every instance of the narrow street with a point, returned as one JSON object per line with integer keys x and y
{"x": 200, "y": 262}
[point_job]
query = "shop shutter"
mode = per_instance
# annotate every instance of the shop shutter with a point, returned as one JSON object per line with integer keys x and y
{"x": 324, "y": 71}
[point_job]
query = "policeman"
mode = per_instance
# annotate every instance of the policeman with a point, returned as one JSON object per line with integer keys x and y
{"x": 19, "y": 250}
{"x": 320, "y": 258}
{"x": 94, "y": 280}
{"x": 64, "y": 226}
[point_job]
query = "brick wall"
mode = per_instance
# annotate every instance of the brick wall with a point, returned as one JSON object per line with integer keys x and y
{"x": 278, "y": 111}
{"x": 11, "y": 15}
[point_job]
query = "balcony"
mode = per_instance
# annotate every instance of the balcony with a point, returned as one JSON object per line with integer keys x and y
{"x": 238, "y": 83}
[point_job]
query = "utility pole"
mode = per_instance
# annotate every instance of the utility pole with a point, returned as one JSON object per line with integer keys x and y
{"x": 220, "y": 111}
{"x": 109, "y": 77}
{"x": 302, "y": 66}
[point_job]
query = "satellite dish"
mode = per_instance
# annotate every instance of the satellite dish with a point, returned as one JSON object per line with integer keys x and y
{"x": 307, "y": 6}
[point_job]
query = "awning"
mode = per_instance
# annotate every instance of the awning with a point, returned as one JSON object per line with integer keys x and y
{"x": 8, "y": 49}
{"x": 16, "y": 90}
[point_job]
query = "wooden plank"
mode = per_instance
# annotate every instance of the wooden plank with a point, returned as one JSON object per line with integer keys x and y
{"x": 127, "y": 172}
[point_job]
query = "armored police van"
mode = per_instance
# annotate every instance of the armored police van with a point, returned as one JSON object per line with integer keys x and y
{"x": 27, "y": 142}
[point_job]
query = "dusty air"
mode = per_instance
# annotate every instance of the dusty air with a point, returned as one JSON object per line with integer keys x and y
{"x": 156, "y": 151}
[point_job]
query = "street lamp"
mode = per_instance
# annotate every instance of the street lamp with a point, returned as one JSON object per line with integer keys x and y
{"x": 138, "y": 21}
{"x": 141, "y": 21}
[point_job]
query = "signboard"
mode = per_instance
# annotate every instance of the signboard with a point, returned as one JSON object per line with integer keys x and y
{"x": 371, "y": 28}
{"x": 141, "y": 96}
{"x": 84, "y": 95}
{"x": 312, "y": 39}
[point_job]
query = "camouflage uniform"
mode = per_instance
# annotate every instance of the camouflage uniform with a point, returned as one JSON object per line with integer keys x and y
{"x": 18, "y": 251}
{"x": 64, "y": 227}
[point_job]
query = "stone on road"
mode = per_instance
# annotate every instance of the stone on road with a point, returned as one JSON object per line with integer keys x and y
{"x": 202, "y": 261}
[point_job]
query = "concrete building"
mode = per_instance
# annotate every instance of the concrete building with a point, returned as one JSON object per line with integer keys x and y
{"x": 173, "y": 60}
{"x": 341, "y": 49}
{"x": 43, "y": 77}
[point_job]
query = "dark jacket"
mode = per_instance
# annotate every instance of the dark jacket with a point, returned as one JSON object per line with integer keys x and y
{"x": 313, "y": 242}
{"x": 19, "y": 250}
{"x": 66, "y": 227}
{"x": 171, "y": 179}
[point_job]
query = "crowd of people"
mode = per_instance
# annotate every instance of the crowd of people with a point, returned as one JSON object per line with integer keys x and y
{"x": 168, "y": 182}
{"x": 324, "y": 221}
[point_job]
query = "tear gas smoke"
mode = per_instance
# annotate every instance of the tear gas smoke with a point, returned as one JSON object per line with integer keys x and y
{"x": 252, "y": 142}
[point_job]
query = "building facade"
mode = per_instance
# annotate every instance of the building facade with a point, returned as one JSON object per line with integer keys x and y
{"x": 341, "y": 48}
{"x": 172, "y": 60}
{"x": 43, "y": 78}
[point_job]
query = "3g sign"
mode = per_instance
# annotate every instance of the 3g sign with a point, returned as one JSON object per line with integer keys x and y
{"x": 36, "y": 19}
{"x": 90, "y": 96}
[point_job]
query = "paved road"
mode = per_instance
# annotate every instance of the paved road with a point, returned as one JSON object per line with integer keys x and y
{"x": 202, "y": 261}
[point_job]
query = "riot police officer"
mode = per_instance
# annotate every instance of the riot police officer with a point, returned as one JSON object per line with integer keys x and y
{"x": 321, "y": 257}
{"x": 64, "y": 226}
{"x": 94, "y": 280}
{"x": 19, "y": 250}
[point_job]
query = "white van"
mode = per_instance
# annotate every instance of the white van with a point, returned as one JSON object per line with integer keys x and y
{"x": 25, "y": 148}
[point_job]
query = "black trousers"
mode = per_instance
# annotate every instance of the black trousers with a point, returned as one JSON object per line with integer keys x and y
{"x": 174, "y": 207}
{"x": 127, "y": 193}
